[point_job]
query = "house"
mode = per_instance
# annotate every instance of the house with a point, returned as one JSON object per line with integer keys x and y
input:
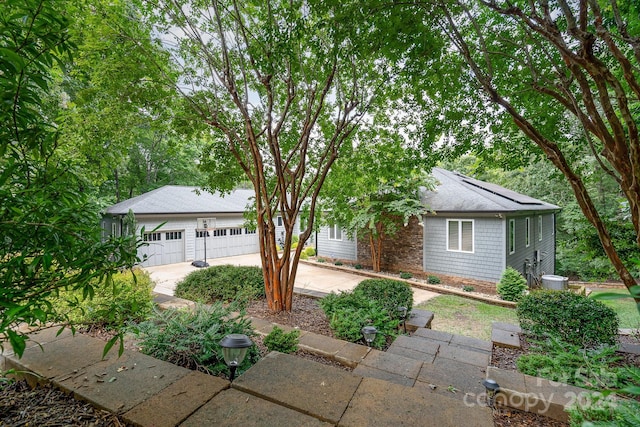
{"x": 474, "y": 231}
{"x": 174, "y": 219}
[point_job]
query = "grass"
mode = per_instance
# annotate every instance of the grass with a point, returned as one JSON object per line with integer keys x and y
{"x": 625, "y": 308}
{"x": 464, "y": 316}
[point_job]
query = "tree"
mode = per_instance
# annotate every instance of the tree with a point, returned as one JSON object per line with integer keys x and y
{"x": 51, "y": 235}
{"x": 281, "y": 86}
{"x": 376, "y": 189}
{"x": 550, "y": 66}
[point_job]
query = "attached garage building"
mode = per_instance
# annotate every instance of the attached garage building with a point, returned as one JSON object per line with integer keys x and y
{"x": 180, "y": 221}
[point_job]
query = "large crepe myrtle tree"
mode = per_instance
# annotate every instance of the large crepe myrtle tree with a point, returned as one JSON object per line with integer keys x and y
{"x": 281, "y": 86}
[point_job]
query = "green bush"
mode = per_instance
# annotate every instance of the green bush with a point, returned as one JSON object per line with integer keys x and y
{"x": 127, "y": 298}
{"x": 512, "y": 285}
{"x": 358, "y": 266}
{"x": 190, "y": 338}
{"x": 468, "y": 288}
{"x": 571, "y": 317}
{"x": 337, "y": 263}
{"x": 349, "y": 312}
{"x": 222, "y": 283}
{"x": 278, "y": 340}
{"x": 405, "y": 275}
{"x": 310, "y": 251}
{"x": 605, "y": 411}
{"x": 390, "y": 294}
{"x": 321, "y": 260}
{"x": 434, "y": 280}
{"x": 304, "y": 256}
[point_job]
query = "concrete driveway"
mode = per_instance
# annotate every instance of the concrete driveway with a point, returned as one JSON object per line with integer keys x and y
{"x": 309, "y": 277}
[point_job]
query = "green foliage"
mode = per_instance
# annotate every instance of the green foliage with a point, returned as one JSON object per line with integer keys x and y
{"x": 512, "y": 285}
{"x": 190, "y": 338}
{"x": 623, "y": 303}
{"x": 310, "y": 251}
{"x": 338, "y": 263}
{"x": 349, "y": 312}
{"x": 321, "y": 260}
{"x": 284, "y": 342}
{"x": 304, "y": 256}
{"x": 222, "y": 283}
{"x": 405, "y": 275}
{"x": 434, "y": 280}
{"x": 571, "y": 317}
{"x": 605, "y": 411}
{"x": 468, "y": 288}
{"x": 358, "y": 266}
{"x": 127, "y": 297}
{"x": 390, "y": 294}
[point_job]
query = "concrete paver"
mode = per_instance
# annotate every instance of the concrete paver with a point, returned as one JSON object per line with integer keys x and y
{"x": 453, "y": 378}
{"x": 392, "y": 363}
{"x": 315, "y": 389}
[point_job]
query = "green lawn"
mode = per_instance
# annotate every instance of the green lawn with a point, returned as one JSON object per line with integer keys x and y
{"x": 625, "y": 308}
{"x": 464, "y": 316}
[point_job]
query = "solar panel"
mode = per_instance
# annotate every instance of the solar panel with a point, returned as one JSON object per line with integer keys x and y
{"x": 503, "y": 192}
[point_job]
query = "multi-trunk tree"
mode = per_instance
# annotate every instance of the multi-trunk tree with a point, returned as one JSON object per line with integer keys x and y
{"x": 281, "y": 87}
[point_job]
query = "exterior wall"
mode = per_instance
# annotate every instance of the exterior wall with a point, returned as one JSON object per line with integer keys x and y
{"x": 346, "y": 248}
{"x": 539, "y": 257}
{"x": 486, "y": 262}
{"x": 402, "y": 253}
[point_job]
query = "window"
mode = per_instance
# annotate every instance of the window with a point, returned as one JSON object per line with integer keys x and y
{"x": 247, "y": 231}
{"x": 235, "y": 231}
{"x": 202, "y": 233}
{"x": 540, "y": 228}
{"x": 279, "y": 221}
{"x": 114, "y": 229}
{"x": 173, "y": 235}
{"x": 512, "y": 236}
{"x": 335, "y": 232}
{"x": 460, "y": 235}
{"x": 151, "y": 237}
{"x": 527, "y": 233}
{"x": 219, "y": 232}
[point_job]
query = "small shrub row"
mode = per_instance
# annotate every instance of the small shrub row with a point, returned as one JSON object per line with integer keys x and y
{"x": 222, "y": 283}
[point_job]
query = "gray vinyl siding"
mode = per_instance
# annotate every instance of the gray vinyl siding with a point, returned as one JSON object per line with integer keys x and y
{"x": 524, "y": 255}
{"x": 485, "y": 263}
{"x": 341, "y": 249}
{"x": 517, "y": 258}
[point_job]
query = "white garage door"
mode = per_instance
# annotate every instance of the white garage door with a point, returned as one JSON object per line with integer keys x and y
{"x": 163, "y": 247}
{"x": 225, "y": 242}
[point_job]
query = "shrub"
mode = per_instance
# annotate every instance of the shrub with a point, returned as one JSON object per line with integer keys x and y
{"x": 127, "y": 298}
{"x": 358, "y": 266}
{"x": 512, "y": 285}
{"x": 294, "y": 245}
{"x": 405, "y": 275}
{"x": 337, "y": 263}
{"x": 304, "y": 256}
{"x": 390, "y": 294}
{"x": 321, "y": 260}
{"x": 310, "y": 251}
{"x": 349, "y": 312}
{"x": 434, "y": 280}
{"x": 278, "y": 340}
{"x": 222, "y": 283}
{"x": 573, "y": 318}
{"x": 190, "y": 338}
{"x": 605, "y": 410}
{"x": 468, "y": 288}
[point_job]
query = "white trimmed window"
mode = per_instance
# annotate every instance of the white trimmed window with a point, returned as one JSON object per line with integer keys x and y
{"x": 151, "y": 237}
{"x": 279, "y": 221}
{"x": 219, "y": 232}
{"x": 527, "y": 232}
{"x": 512, "y": 236}
{"x": 460, "y": 235}
{"x": 335, "y": 232}
{"x": 248, "y": 231}
{"x": 202, "y": 233}
{"x": 235, "y": 231}
{"x": 173, "y": 235}
{"x": 540, "y": 228}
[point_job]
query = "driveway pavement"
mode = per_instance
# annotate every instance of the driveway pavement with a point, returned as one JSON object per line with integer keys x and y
{"x": 309, "y": 277}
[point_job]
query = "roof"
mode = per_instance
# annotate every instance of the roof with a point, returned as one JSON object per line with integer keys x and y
{"x": 458, "y": 193}
{"x": 177, "y": 199}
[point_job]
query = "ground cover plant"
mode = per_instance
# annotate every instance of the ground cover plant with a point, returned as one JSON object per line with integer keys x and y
{"x": 191, "y": 337}
{"x": 279, "y": 340}
{"x": 222, "y": 283}
{"x": 465, "y": 316}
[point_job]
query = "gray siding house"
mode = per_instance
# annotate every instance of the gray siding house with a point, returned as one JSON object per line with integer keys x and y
{"x": 181, "y": 211}
{"x": 474, "y": 231}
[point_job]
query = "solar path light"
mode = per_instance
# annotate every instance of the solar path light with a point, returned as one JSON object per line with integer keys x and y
{"x": 234, "y": 350}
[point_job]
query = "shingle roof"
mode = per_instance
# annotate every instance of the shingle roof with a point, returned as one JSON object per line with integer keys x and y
{"x": 458, "y": 193}
{"x": 176, "y": 199}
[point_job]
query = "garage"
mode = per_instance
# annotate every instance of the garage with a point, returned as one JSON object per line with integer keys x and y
{"x": 163, "y": 247}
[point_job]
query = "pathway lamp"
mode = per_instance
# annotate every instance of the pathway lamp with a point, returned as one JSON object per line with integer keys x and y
{"x": 402, "y": 314}
{"x": 491, "y": 387}
{"x": 369, "y": 333}
{"x": 234, "y": 350}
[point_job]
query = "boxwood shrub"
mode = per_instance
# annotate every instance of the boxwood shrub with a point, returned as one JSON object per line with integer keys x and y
{"x": 573, "y": 318}
{"x": 222, "y": 283}
{"x": 390, "y": 294}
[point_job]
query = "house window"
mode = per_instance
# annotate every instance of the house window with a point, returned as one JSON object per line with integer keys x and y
{"x": 247, "y": 231}
{"x": 235, "y": 231}
{"x": 173, "y": 235}
{"x": 527, "y": 233}
{"x": 151, "y": 237}
{"x": 512, "y": 236}
{"x": 335, "y": 232}
{"x": 540, "y": 228}
{"x": 114, "y": 229}
{"x": 279, "y": 221}
{"x": 219, "y": 232}
{"x": 202, "y": 233}
{"x": 460, "y": 235}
